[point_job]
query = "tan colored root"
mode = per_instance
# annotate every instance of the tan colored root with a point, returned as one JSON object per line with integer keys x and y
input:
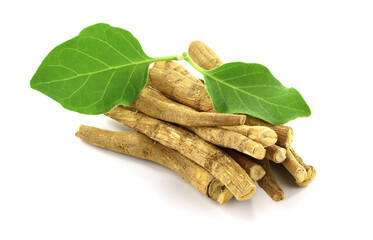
{"x": 138, "y": 145}
{"x": 255, "y": 171}
{"x": 269, "y": 183}
{"x": 229, "y": 139}
{"x": 311, "y": 171}
{"x": 260, "y": 134}
{"x": 170, "y": 65}
{"x": 203, "y": 55}
{"x": 155, "y": 104}
{"x": 311, "y": 174}
{"x": 219, "y": 192}
{"x": 294, "y": 167}
{"x": 175, "y": 82}
{"x": 276, "y": 154}
{"x": 285, "y": 134}
{"x": 214, "y": 160}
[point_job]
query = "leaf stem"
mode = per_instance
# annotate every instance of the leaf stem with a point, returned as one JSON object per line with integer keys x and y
{"x": 180, "y": 57}
{"x": 169, "y": 58}
{"x": 191, "y": 62}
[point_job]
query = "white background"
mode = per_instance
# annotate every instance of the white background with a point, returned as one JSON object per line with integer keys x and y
{"x": 54, "y": 186}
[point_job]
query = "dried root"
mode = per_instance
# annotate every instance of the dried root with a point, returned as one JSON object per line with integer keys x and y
{"x": 294, "y": 167}
{"x": 174, "y": 81}
{"x": 203, "y": 55}
{"x": 264, "y": 135}
{"x": 155, "y": 104}
{"x": 138, "y": 145}
{"x": 269, "y": 183}
{"x": 255, "y": 171}
{"x": 285, "y": 134}
{"x": 311, "y": 172}
{"x": 229, "y": 139}
{"x": 276, "y": 154}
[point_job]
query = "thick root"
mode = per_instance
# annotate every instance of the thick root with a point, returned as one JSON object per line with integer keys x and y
{"x": 156, "y": 105}
{"x": 138, "y": 145}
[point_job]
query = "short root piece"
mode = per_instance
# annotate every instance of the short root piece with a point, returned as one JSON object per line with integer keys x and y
{"x": 269, "y": 183}
{"x": 311, "y": 171}
{"x": 294, "y": 167}
{"x": 203, "y": 55}
{"x": 229, "y": 139}
{"x": 264, "y": 135}
{"x": 255, "y": 171}
{"x": 276, "y": 154}
{"x": 285, "y": 134}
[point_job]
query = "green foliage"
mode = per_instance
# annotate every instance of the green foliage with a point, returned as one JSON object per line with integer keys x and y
{"x": 100, "y": 68}
{"x": 105, "y": 66}
{"x": 251, "y": 89}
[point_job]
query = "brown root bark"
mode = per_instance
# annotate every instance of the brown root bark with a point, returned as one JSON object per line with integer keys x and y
{"x": 276, "y": 154}
{"x": 155, "y": 104}
{"x": 260, "y": 134}
{"x": 255, "y": 171}
{"x": 229, "y": 139}
{"x": 285, "y": 134}
{"x": 214, "y": 160}
{"x": 269, "y": 183}
{"x": 203, "y": 55}
{"x": 138, "y": 145}
{"x": 294, "y": 167}
{"x": 311, "y": 171}
{"x": 175, "y": 82}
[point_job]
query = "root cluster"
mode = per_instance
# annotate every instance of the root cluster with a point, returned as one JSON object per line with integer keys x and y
{"x": 220, "y": 155}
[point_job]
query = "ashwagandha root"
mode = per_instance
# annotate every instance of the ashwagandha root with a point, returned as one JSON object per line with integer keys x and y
{"x": 276, "y": 154}
{"x": 269, "y": 183}
{"x": 214, "y": 160}
{"x": 138, "y": 145}
{"x": 285, "y": 134}
{"x": 294, "y": 167}
{"x": 255, "y": 171}
{"x": 175, "y": 82}
{"x": 203, "y": 55}
{"x": 260, "y": 134}
{"x": 155, "y": 104}
{"x": 218, "y": 191}
{"x": 229, "y": 139}
{"x": 311, "y": 171}
{"x": 170, "y": 65}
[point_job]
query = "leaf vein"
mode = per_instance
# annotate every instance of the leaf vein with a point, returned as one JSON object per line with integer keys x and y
{"x": 96, "y": 72}
{"x": 88, "y": 55}
{"x": 252, "y": 95}
{"x": 72, "y": 94}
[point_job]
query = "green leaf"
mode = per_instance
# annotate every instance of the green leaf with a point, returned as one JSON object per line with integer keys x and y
{"x": 251, "y": 89}
{"x": 100, "y": 68}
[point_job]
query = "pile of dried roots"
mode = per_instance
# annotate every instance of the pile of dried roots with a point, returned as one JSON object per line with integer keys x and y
{"x": 221, "y": 155}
